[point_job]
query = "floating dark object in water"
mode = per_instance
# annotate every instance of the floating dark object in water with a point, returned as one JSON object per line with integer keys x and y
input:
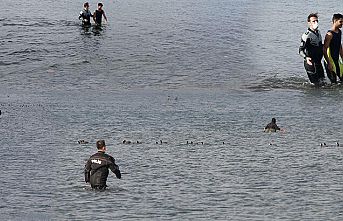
{"x": 126, "y": 142}
{"x": 326, "y": 145}
{"x": 82, "y": 142}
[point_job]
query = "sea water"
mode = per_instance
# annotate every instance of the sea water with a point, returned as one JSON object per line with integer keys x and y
{"x": 194, "y": 82}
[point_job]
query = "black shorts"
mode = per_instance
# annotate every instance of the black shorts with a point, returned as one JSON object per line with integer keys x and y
{"x": 315, "y": 72}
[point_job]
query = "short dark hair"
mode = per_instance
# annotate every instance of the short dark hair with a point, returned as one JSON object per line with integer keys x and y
{"x": 100, "y": 4}
{"x": 86, "y": 4}
{"x": 312, "y": 15}
{"x": 100, "y": 144}
{"x": 336, "y": 17}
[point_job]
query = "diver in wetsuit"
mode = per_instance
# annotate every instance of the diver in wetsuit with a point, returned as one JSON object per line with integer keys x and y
{"x": 311, "y": 49}
{"x": 86, "y": 15}
{"x": 96, "y": 169}
{"x": 333, "y": 49}
{"x": 272, "y": 127}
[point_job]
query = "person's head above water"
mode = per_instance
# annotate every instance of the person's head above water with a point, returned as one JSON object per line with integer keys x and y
{"x": 312, "y": 20}
{"x": 337, "y": 20}
{"x": 100, "y": 145}
{"x": 273, "y": 120}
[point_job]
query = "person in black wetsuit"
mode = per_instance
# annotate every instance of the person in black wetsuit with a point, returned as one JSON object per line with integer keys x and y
{"x": 311, "y": 49}
{"x": 97, "y": 15}
{"x": 96, "y": 169}
{"x": 272, "y": 127}
{"x": 332, "y": 42}
{"x": 85, "y": 15}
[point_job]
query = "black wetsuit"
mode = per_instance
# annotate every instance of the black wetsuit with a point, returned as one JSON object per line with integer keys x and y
{"x": 98, "y": 16}
{"x": 96, "y": 169}
{"x": 86, "y": 17}
{"x": 312, "y": 46}
{"x": 272, "y": 127}
{"x": 335, "y": 46}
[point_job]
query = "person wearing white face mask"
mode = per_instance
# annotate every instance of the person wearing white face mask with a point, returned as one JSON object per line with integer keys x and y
{"x": 311, "y": 49}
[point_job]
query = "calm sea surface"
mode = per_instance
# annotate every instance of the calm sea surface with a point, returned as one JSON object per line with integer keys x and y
{"x": 211, "y": 72}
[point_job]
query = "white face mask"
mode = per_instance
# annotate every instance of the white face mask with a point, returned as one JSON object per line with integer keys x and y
{"x": 315, "y": 26}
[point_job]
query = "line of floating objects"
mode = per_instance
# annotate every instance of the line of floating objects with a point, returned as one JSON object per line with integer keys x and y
{"x": 160, "y": 142}
{"x": 327, "y": 145}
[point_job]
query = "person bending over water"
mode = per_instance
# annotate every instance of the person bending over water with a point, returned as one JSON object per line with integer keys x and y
{"x": 272, "y": 127}
{"x": 96, "y": 169}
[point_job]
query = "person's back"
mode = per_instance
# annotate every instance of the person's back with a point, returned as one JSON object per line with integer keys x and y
{"x": 272, "y": 127}
{"x": 96, "y": 169}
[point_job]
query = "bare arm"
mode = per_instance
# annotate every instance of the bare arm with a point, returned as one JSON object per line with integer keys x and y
{"x": 94, "y": 16}
{"x": 326, "y": 45}
{"x": 105, "y": 16}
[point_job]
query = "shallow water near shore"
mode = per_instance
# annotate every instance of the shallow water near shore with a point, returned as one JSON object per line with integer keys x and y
{"x": 195, "y": 83}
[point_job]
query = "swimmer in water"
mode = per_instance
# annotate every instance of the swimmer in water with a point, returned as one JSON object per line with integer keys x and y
{"x": 272, "y": 127}
{"x": 96, "y": 169}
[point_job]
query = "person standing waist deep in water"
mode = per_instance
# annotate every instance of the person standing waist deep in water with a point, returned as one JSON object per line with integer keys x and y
{"x": 86, "y": 15}
{"x": 97, "y": 15}
{"x": 96, "y": 169}
{"x": 333, "y": 49}
{"x": 311, "y": 49}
